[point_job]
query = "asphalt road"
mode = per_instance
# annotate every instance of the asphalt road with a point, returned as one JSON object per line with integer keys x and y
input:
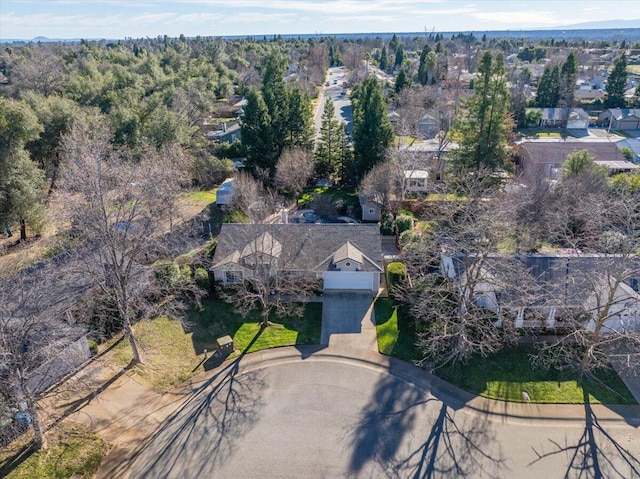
{"x": 335, "y": 418}
{"x": 342, "y": 103}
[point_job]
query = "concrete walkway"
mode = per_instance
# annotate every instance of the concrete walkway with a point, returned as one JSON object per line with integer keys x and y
{"x": 348, "y": 320}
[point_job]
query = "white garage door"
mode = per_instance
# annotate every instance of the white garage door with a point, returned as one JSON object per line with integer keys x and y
{"x": 349, "y": 280}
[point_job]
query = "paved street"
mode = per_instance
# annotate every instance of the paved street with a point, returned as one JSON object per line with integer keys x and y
{"x": 322, "y": 416}
{"x": 342, "y": 103}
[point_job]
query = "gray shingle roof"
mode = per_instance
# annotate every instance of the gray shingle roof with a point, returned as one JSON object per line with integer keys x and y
{"x": 565, "y": 278}
{"x": 304, "y": 246}
{"x": 556, "y": 152}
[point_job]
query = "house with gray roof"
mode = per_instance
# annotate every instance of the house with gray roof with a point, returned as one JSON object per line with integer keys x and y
{"x": 569, "y": 118}
{"x": 620, "y": 118}
{"x": 557, "y": 285}
{"x": 535, "y": 158}
{"x": 342, "y": 256}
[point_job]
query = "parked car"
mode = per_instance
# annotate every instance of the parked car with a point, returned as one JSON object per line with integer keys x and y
{"x": 347, "y": 219}
{"x": 303, "y": 216}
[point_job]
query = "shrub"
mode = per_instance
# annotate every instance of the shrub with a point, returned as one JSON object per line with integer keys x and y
{"x": 404, "y": 223}
{"x": 201, "y": 277}
{"x": 386, "y": 224}
{"x": 169, "y": 274}
{"x": 93, "y": 347}
{"x": 236, "y": 217}
{"x": 407, "y": 237}
{"x": 396, "y": 274}
{"x": 211, "y": 250}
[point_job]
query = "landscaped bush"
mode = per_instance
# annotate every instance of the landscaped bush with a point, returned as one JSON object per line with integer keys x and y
{"x": 93, "y": 347}
{"x": 201, "y": 277}
{"x": 236, "y": 217}
{"x": 404, "y": 223}
{"x": 171, "y": 274}
{"x": 386, "y": 224}
{"x": 396, "y": 274}
{"x": 407, "y": 237}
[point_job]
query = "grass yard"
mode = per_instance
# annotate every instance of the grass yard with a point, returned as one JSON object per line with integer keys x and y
{"x": 199, "y": 197}
{"x": 633, "y": 69}
{"x": 346, "y": 196}
{"x": 172, "y": 355}
{"x": 395, "y": 337}
{"x": 73, "y": 452}
{"x": 218, "y": 318}
{"x": 502, "y": 376}
{"x": 507, "y": 373}
{"x": 543, "y": 133}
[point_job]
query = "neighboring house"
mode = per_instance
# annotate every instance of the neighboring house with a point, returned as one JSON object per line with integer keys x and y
{"x": 633, "y": 144}
{"x": 545, "y": 158}
{"x": 227, "y": 134}
{"x": 620, "y": 118}
{"x": 224, "y": 194}
{"x": 565, "y": 283}
{"x": 343, "y": 256}
{"x": 371, "y": 210}
{"x": 416, "y": 181}
{"x": 571, "y": 119}
{"x": 428, "y": 127}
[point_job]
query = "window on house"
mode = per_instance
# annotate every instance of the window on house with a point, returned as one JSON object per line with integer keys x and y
{"x": 372, "y": 211}
{"x": 233, "y": 277}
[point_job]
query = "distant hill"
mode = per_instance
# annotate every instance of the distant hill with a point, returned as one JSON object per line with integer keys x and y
{"x": 604, "y": 24}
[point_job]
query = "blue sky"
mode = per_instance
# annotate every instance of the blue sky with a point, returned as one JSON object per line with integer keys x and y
{"x": 26, "y": 19}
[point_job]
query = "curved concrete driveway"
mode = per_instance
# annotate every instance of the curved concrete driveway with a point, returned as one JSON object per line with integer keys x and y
{"x": 292, "y": 413}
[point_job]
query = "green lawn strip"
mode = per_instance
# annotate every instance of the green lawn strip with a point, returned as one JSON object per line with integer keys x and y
{"x": 218, "y": 318}
{"x": 203, "y": 197}
{"x": 502, "y": 376}
{"x": 72, "y": 450}
{"x": 509, "y": 372}
{"x": 348, "y": 196}
{"x": 395, "y": 336}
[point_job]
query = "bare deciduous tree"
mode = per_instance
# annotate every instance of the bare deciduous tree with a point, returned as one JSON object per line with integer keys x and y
{"x": 602, "y": 323}
{"x": 39, "y": 341}
{"x": 266, "y": 279}
{"x": 119, "y": 207}
{"x": 383, "y": 184}
{"x": 456, "y": 280}
{"x": 293, "y": 170}
{"x": 251, "y": 198}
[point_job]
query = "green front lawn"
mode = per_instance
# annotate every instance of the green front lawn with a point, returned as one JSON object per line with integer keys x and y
{"x": 507, "y": 373}
{"x": 395, "y": 336}
{"x": 173, "y": 352}
{"x": 217, "y": 318}
{"x": 502, "y": 376}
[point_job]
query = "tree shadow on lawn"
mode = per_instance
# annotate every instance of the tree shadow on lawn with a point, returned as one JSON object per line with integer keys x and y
{"x": 511, "y": 371}
{"x": 389, "y": 437}
{"x": 217, "y": 318}
{"x": 202, "y": 433}
{"x": 596, "y": 454}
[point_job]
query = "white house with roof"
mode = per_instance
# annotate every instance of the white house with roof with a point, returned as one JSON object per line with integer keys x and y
{"x": 343, "y": 257}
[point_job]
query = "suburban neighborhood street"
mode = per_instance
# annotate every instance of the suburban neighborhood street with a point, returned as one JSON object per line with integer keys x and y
{"x": 312, "y": 412}
{"x": 336, "y": 92}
